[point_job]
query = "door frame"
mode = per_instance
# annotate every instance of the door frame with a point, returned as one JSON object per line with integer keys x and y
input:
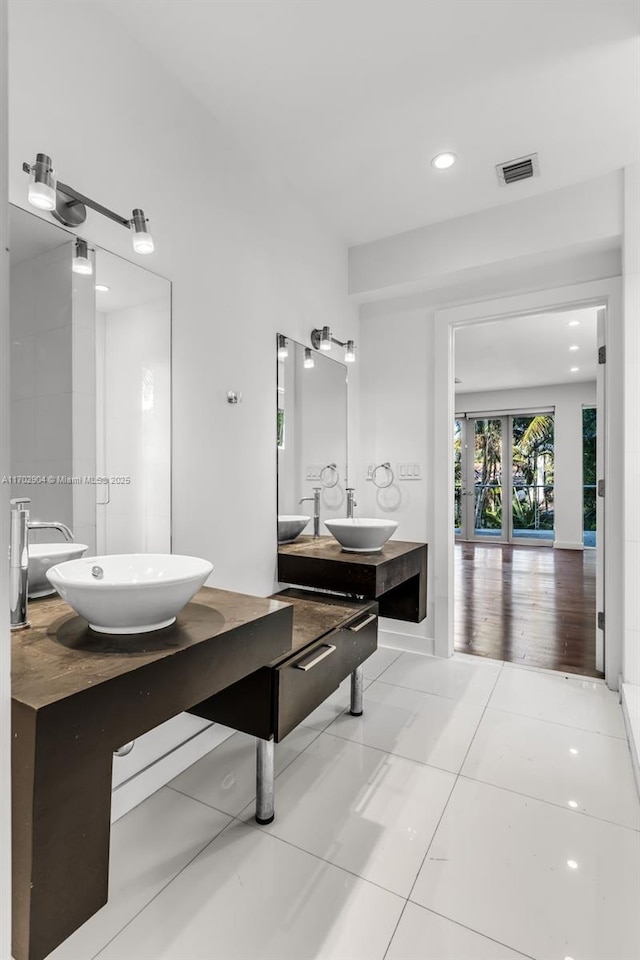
{"x": 606, "y": 293}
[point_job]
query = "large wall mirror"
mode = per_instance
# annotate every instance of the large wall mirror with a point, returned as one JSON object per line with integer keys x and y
{"x": 311, "y": 437}
{"x": 90, "y": 392}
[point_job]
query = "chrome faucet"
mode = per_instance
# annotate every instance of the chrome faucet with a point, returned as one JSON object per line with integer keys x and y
{"x": 351, "y": 502}
{"x": 51, "y": 525}
{"x": 316, "y": 509}
{"x": 19, "y": 562}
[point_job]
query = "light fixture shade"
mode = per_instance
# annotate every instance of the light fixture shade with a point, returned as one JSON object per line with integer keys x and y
{"x": 350, "y": 352}
{"x": 308, "y": 358}
{"x": 283, "y": 350}
{"x": 82, "y": 259}
{"x": 325, "y": 339}
{"x": 42, "y": 184}
{"x": 142, "y": 239}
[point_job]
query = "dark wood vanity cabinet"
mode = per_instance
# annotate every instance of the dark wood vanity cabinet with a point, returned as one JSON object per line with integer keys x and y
{"x": 396, "y": 576}
{"x": 332, "y": 636}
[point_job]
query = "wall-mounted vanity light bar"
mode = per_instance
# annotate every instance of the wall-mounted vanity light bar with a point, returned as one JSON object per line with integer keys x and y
{"x": 69, "y": 207}
{"x": 322, "y": 338}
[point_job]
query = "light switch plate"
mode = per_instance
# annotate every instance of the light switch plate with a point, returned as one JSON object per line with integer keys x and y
{"x": 410, "y": 470}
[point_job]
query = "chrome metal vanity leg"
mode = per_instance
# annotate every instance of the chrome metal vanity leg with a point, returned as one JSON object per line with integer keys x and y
{"x": 264, "y": 780}
{"x": 357, "y": 688}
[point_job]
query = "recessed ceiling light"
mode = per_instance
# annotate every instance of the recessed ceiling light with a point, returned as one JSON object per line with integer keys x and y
{"x": 573, "y": 804}
{"x": 573, "y": 323}
{"x": 574, "y": 346}
{"x": 442, "y": 161}
{"x": 572, "y": 864}
{"x": 102, "y": 288}
{"x": 573, "y": 751}
{"x": 575, "y": 369}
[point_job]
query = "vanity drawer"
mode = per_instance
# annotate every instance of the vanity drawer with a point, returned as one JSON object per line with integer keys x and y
{"x": 304, "y": 681}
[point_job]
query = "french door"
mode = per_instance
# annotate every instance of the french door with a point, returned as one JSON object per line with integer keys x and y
{"x": 504, "y": 487}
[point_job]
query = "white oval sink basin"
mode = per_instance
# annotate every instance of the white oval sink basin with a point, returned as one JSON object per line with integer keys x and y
{"x": 129, "y": 592}
{"x": 291, "y": 526}
{"x": 361, "y": 534}
{"x": 42, "y": 556}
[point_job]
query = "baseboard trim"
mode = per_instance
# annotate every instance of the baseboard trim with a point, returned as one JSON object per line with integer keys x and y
{"x": 406, "y": 642}
{"x": 630, "y": 699}
{"x": 567, "y": 545}
{"x": 137, "y": 788}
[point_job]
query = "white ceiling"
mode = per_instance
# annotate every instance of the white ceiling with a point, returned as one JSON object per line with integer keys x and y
{"x": 351, "y": 99}
{"x": 526, "y": 351}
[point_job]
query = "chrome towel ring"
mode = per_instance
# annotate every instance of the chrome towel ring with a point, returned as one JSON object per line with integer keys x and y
{"x": 390, "y": 475}
{"x": 330, "y": 479}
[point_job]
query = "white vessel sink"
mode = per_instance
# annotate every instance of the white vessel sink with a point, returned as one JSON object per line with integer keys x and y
{"x": 290, "y": 527}
{"x": 131, "y": 592}
{"x": 42, "y": 556}
{"x": 361, "y": 534}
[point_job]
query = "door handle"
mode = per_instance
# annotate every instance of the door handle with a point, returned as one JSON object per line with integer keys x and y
{"x": 363, "y": 623}
{"x": 316, "y": 658}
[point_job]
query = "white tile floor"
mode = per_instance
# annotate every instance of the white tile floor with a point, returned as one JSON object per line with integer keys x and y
{"x": 475, "y": 812}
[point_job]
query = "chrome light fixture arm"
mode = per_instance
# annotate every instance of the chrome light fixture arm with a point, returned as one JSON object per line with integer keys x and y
{"x": 70, "y": 206}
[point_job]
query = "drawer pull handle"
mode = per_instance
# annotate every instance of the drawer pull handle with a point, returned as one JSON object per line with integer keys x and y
{"x": 308, "y": 664}
{"x": 363, "y": 623}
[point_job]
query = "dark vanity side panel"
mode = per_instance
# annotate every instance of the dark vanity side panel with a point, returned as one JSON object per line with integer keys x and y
{"x": 325, "y": 574}
{"x": 300, "y": 691}
{"x": 246, "y": 705}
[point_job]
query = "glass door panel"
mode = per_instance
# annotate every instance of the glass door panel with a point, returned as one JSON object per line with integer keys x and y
{"x": 532, "y": 497}
{"x": 458, "y": 474}
{"x": 487, "y": 478}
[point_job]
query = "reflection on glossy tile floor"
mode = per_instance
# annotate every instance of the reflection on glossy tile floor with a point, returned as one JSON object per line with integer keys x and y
{"x": 475, "y": 812}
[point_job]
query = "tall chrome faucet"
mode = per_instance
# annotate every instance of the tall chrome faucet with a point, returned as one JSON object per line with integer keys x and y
{"x": 51, "y": 525}
{"x": 19, "y": 562}
{"x": 316, "y": 509}
{"x": 351, "y": 502}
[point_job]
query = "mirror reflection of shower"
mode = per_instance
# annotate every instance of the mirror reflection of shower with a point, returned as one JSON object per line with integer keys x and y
{"x": 90, "y": 391}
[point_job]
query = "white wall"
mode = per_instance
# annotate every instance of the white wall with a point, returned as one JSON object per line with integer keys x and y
{"x": 5, "y": 645}
{"x": 245, "y": 257}
{"x": 631, "y": 652}
{"x": 396, "y": 380}
{"x": 580, "y": 218}
{"x": 568, "y": 400}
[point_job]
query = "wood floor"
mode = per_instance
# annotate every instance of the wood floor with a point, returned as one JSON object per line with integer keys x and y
{"x": 529, "y": 605}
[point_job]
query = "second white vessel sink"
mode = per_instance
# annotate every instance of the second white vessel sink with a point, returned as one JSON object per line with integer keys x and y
{"x": 43, "y": 556}
{"x": 130, "y": 592}
{"x": 361, "y": 534}
{"x": 291, "y": 526}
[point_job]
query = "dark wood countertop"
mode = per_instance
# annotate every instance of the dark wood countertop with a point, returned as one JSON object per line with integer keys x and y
{"x": 327, "y": 548}
{"x": 46, "y": 669}
{"x": 316, "y": 614}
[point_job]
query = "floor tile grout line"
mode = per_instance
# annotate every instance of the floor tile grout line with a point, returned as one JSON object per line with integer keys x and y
{"x": 390, "y": 753}
{"x": 455, "y": 783}
{"x": 558, "y": 723}
{"x": 252, "y": 800}
{"x": 429, "y": 693}
{"x": 464, "y": 926}
{"x": 551, "y": 803}
{"x": 395, "y": 929}
{"x": 253, "y": 825}
{"x": 168, "y": 884}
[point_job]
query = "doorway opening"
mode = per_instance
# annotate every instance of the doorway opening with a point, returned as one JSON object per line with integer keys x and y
{"x": 526, "y": 460}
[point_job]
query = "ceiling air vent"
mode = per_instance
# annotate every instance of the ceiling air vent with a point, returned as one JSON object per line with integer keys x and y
{"x": 524, "y": 168}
